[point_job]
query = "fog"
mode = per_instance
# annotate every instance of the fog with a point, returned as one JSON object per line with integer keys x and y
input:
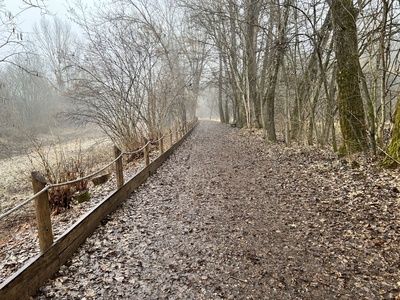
{"x": 110, "y": 73}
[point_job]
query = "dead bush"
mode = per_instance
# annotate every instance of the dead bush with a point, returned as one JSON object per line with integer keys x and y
{"x": 59, "y": 165}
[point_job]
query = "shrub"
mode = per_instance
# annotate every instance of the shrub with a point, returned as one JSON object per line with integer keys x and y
{"x": 52, "y": 161}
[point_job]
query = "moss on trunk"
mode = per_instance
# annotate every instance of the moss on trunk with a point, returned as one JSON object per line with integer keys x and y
{"x": 351, "y": 110}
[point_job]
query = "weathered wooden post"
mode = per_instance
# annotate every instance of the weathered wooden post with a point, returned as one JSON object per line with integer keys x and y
{"x": 161, "y": 143}
{"x": 146, "y": 152}
{"x": 177, "y": 133}
{"x": 170, "y": 138}
{"x": 42, "y": 209}
{"x": 119, "y": 171}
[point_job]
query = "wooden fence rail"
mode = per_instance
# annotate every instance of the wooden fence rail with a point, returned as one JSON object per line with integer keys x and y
{"x": 24, "y": 283}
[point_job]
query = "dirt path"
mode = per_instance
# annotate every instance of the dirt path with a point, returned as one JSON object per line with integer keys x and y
{"x": 230, "y": 218}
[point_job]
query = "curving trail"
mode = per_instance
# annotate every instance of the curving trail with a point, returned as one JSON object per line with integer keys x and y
{"x": 226, "y": 217}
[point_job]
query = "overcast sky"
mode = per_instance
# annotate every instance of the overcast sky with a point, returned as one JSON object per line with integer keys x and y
{"x": 28, "y": 18}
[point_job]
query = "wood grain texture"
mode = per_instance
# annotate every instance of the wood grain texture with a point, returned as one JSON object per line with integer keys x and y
{"x": 42, "y": 210}
{"x": 119, "y": 170}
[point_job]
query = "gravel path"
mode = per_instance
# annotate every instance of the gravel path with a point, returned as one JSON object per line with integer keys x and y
{"x": 226, "y": 217}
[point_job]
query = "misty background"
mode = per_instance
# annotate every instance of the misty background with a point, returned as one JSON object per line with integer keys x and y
{"x": 54, "y": 74}
{"x": 138, "y": 68}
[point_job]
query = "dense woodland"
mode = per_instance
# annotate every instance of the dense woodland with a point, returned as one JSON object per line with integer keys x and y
{"x": 302, "y": 70}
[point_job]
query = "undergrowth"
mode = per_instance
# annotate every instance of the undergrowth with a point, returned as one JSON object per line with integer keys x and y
{"x": 59, "y": 165}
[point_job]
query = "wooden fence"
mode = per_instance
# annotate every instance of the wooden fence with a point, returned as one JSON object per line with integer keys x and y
{"x": 24, "y": 283}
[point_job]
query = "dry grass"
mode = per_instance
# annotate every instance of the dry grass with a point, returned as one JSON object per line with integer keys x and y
{"x": 59, "y": 159}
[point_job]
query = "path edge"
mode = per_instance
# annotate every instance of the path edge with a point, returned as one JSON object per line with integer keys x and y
{"x": 39, "y": 269}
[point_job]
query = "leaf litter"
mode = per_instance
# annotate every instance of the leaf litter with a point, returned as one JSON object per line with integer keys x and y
{"x": 228, "y": 217}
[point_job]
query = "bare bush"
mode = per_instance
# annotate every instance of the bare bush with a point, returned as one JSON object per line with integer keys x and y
{"x": 59, "y": 166}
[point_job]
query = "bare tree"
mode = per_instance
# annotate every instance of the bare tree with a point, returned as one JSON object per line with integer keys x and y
{"x": 57, "y": 44}
{"x": 132, "y": 78}
{"x": 30, "y": 101}
{"x": 196, "y": 52}
{"x": 224, "y": 23}
{"x": 182, "y": 58}
{"x": 12, "y": 40}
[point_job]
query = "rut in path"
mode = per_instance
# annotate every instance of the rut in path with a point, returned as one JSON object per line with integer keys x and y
{"x": 223, "y": 218}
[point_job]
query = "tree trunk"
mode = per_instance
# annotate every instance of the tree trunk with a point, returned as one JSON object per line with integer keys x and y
{"x": 311, "y": 74}
{"x": 394, "y": 146}
{"x": 279, "y": 51}
{"x": 330, "y": 92}
{"x": 351, "y": 110}
{"x": 226, "y": 110}
{"x": 384, "y": 56}
{"x": 220, "y": 91}
{"x": 251, "y": 41}
{"x": 371, "y": 110}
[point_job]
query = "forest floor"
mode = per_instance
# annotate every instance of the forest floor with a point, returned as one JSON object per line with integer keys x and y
{"x": 229, "y": 217}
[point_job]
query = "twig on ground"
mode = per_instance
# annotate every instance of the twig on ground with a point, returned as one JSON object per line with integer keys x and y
{"x": 238, "y": 279}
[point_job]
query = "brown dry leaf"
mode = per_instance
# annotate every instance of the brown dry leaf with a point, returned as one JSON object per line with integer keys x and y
{"x": 228, "y": 217}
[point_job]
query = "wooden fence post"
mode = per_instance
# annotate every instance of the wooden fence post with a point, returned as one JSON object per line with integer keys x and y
{"x": 119, "y": 171}
{"x": 146, "y": 152}
{"x": 161, "y": 143}
{"x": 170, "y": 138}
{"x": 42, "y": 209}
